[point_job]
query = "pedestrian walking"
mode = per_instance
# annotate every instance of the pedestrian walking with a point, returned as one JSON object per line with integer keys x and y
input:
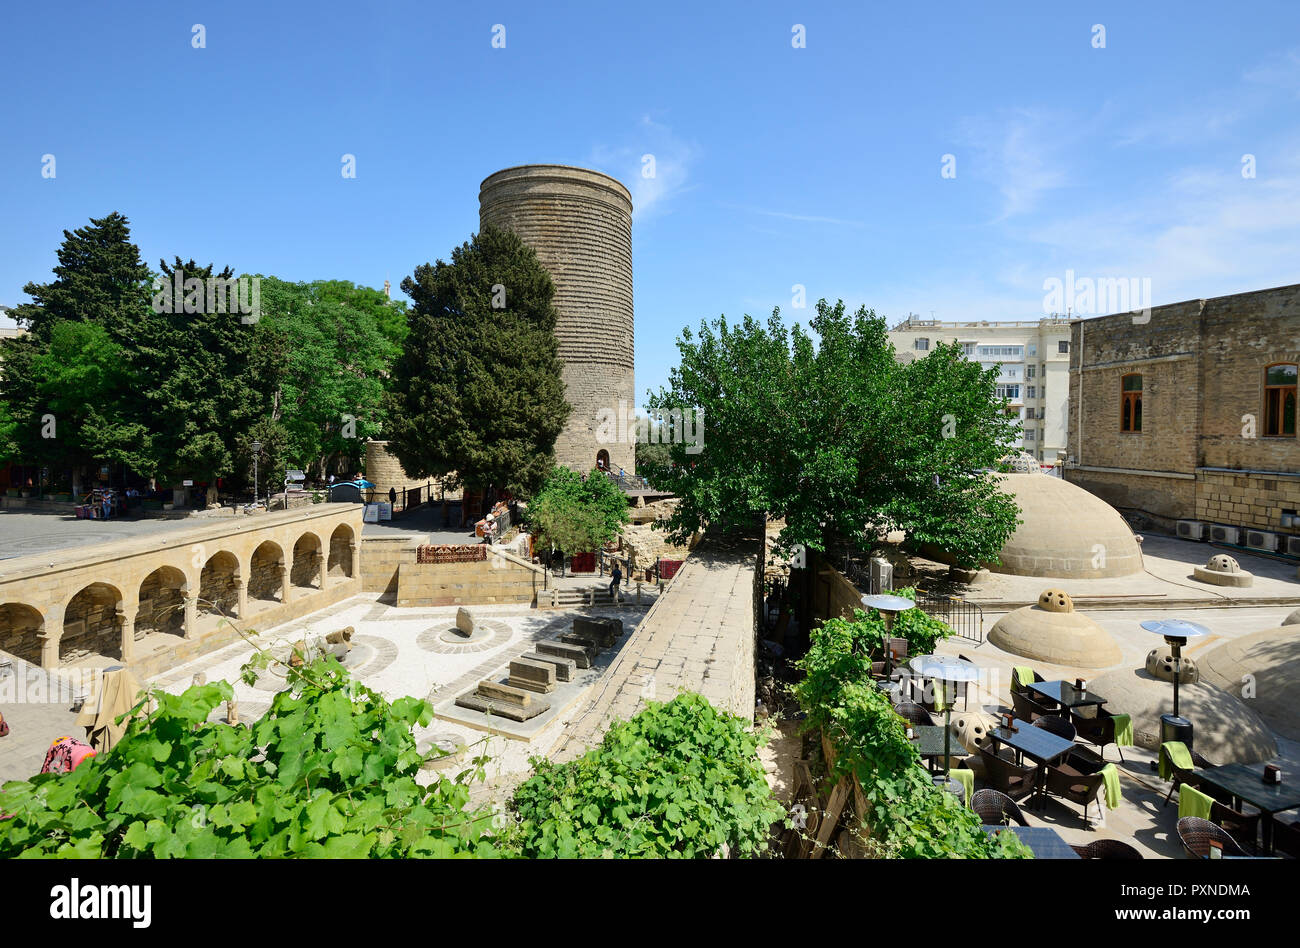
{"x": 615, "y": 577}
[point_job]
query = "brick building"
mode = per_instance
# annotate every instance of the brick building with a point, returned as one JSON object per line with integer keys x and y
{"x": 1188, "y": 412}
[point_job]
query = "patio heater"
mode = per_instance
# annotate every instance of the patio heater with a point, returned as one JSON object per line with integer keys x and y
{"x": 1176, "y": 632}
{"x": 257, "y": 449}
{"x": 943, "y": 669}
{"x": 889, "y": 607}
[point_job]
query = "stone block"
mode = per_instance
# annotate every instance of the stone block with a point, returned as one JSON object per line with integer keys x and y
{"x": 583, "y": 641}
{"x": 565, "y": 668}
{"x": 601, "y": 629}
{"x": 465, "y": 621}
{"x": 532, "y": 675}
{"x": 579, "y": 655}
{"x": 477, "y": 702}
{"x": 506, "y": 694}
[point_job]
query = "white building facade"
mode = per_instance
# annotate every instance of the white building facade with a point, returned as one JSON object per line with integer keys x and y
{"x": 1033, "y": 361}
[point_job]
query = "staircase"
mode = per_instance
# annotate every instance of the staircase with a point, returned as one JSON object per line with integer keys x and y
{"x": 572, "y": 598}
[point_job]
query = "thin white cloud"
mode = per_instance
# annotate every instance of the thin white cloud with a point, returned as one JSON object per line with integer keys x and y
{"x": 654, "y": 183}
{"x": 1021, "y": 152}
{"x": 784, "y": 215}
{"x": 1279, "y": 69}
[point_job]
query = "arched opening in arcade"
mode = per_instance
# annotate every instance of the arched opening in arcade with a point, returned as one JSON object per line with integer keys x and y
{"x": 218, "y": 590}
{"x": 340, "y": 560}
{"x": 92, "y": 624}
{"x": 305, "y": 571}
{"x": 602, "y": 460}
{"x": 20, "y": 631}
{"x": 162, "y": 604}
{"x": 264, "y": 576}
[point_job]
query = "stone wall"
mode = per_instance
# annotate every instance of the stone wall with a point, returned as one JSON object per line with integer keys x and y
{"x": 380, "y": 558}
{"x": 579, "y": 223}
{"x": 265, "y": 577}
{"x": 494, "y": 580}
{"x": 20, "y": 630}
{"x": 385, "y": 472}
{"x": 90, "y": 625}
{"x": 162, "y": 606}
{"x": 699, "y": 636}
{"x": 219, "y": 587}
{"x": 305, "y": 570}
{"x": 1202, "y": 364}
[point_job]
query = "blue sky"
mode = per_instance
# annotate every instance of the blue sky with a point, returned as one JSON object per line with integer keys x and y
{"x": 776, "y": 166}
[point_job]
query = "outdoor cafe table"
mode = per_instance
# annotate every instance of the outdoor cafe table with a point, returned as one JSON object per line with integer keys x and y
{"x": 1045, "y": 842}
{"x": 929, "y": 740}
{"x": 1246, "y": 782}
{"x": 1038, "y": 744}
{"x": 1065, "y": 694}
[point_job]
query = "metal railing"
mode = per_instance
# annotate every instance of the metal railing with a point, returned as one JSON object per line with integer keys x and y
{"x": 966, "y": 619}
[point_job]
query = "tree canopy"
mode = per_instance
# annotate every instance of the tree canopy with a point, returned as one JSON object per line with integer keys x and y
{"x": 826, "y": 429}
{"x": 574, "y": 514}
{"x": 477, "y": 392}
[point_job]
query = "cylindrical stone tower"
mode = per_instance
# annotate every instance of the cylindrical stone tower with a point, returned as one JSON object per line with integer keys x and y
{"x": 579, "y": 223}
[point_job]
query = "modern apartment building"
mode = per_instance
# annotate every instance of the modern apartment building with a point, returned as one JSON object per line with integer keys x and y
{"x": 1033, "y": 360}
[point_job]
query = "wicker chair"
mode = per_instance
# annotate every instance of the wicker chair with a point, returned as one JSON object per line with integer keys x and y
{"x": 1021, "y": 688}
{"x": 1014, "y": 781}
{"x": 913, "y": 713}
{"x": 1107, "y": 849}
{"x": 1069, "y": 783}
{"x": 1098, "y": 729}
{"x": 1196, "y": 835}
{"x": 1027, "y": 709}
{"x": 1240, "y": 826}
{"x": 1057, "y": 725}
{"x": 995, "y": 808}
{"x": 1181, "y": 776}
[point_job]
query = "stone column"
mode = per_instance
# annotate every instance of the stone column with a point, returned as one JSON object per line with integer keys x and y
{"x": 242, "y": 587}
{"x": 355, "y": 548}
{"x": 286, "y": 587}
{"x": 126, "y": 624}
{"x": 50, "y": 635}
{"x": 191, "y": 617}
{"x": 323, "y": 570}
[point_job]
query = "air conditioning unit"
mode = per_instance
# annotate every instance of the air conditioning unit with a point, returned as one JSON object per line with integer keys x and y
{"x": 1259, "y": 540}
{"x": 882, "y": 575}
{"x": 1191, "y": 529}
{"x": 1220, "y": 533}
{"x": 1293, "y": 546}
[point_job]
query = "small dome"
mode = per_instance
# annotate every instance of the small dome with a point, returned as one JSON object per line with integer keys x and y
{"x": 1223, "y": 563}
{"x": 1056, "y": 600}
{"x": 1022, "y": 462}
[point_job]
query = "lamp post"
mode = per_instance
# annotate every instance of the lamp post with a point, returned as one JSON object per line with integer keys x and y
{"x": 943, "y": 669}
{"x": 889, "y": 607}
{"x": 1176, "y": 632}
{"x": 257, "y": 449}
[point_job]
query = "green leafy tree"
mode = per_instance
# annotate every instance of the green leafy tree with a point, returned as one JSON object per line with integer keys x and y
{"x": 387, "y": 315}
{"x": 574, "y": 514}
{"x": 825, "y": 429}
{"x": 322, "y": 360}
{"x": 477, "y": 392}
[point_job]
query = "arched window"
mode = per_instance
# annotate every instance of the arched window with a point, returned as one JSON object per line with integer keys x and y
{"x": 1279, "y": 400}
{"x": 1130, "y": 410}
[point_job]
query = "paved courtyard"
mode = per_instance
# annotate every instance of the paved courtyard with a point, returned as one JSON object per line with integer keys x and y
{"x": 25, "y": 533}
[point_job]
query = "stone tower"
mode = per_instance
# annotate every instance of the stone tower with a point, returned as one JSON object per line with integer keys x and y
{"x": 579, "y": 223}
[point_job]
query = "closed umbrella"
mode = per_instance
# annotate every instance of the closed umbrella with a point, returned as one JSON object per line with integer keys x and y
{"x": 117, "y": 695}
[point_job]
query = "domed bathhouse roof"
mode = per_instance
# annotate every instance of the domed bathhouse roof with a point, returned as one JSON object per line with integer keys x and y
{"x": 1264, "y": 669}
{"x": 1022, "y": 462}
{"x": 1051, "y": 631}
{"x": 1066, "y": 533}
{"x": 1222, "y": 570}
{"x": 1228, "y": 731}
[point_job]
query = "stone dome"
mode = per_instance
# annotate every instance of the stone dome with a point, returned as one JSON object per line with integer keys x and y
{"x": 1022, "y": 462}
{"x": 1263, "y": 670}
{"x": 1160, "y": 664}
{"x": 1223, "y": 570}
{"x": 1292, "y": 619}
{"x": 1051, "y": 631}
{"x": 1228, "y": 730}
{"x": 1066, "y": 532}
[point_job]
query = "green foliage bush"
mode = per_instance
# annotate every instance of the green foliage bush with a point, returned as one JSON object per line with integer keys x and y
{"x": 910, "y": 817}
{"x": 328, "y": 771}
{"x": 680, "y": 779}
{"x": 923, "y": 632}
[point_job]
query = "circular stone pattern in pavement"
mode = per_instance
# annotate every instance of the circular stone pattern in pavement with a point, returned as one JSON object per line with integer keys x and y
{"x": 446, "y": 639}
